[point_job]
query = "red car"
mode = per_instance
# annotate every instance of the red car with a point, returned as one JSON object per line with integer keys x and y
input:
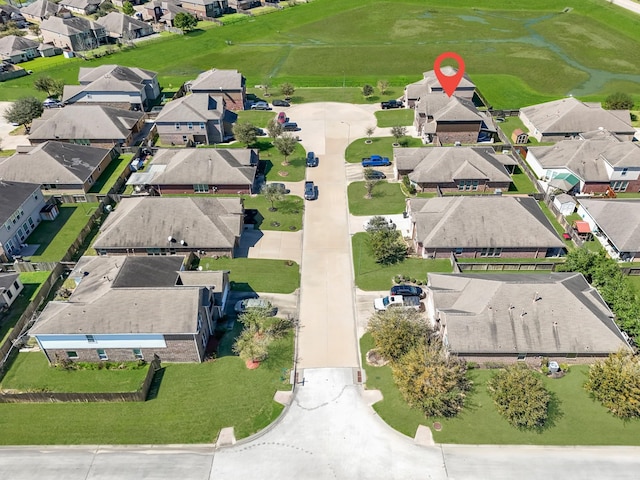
{"x": 282, "y": 118}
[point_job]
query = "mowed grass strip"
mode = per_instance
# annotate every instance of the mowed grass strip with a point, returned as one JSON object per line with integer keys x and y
{"x": 387, "y": 198}
{"x": 398, "y": 116}
{"x": 190, "y": 404}
{"x": 113, "y": 171}
{"x": 371, "y": 275}
{"x": 257, "y": 275}
{"x": 286, "y": 218}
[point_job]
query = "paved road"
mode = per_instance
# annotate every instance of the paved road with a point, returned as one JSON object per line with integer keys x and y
{"x": 628, "y": 4}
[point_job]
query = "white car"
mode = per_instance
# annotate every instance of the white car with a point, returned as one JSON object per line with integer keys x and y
{"x": 249, "y": 303}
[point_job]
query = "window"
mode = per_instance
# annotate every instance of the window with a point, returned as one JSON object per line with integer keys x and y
{"x": 201, "y": 188}
{"x": 102, "y": 355}
{"x": 459, "y": 251}
{"x": 624, "y": 171}
{"x": 490, "y": 252}
{"x": 137, "y": 353}
{"x": 72, "y": 354}
{"x": 91, "y": 339}
{"x": 190, "y": 126}
{"x": 468, "y": 185}
{"x": 15, "y": 285}
{"x": 153, "y": 251}
{"x": 80, "y": 198}
{"x": 202, "y": 126}
{"x": 184, "y": 138}
{"x": 619, "y": 186}
{"x": 522, "y": 357}
{"x": 31, "y": 221}
{"x": 9, "y": 294}
{"x": 177, "y": 126}
{"x": 35, "y": 196}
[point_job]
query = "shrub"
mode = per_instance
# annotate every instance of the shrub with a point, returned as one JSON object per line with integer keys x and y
{"x": 395, "y": 332}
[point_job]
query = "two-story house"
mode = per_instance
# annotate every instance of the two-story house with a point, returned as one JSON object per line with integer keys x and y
{"x": 230, "y": 84}
{"x": 20, "y": 206}
{"x": 73, "y": 33}
{"x": 15, "y": 49}
{"x": 205, "y": 8}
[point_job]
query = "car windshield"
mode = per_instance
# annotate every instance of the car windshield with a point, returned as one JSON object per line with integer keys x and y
{"x": 385, "y": 301}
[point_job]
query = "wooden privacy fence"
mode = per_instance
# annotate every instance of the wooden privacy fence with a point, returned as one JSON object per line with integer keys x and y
{"x": 506, "y": 266}
{"x": 139, "y": 395}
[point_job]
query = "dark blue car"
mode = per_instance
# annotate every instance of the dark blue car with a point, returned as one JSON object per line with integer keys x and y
{"x": 375, "y": 161}
{"x": 312, "y": 160}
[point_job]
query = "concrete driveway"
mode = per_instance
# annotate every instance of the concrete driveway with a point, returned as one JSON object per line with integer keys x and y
{"x": 270, "y": 244}
{"x": 9, "y": 142}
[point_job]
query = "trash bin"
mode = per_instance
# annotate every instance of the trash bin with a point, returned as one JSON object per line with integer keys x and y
{"x": 554, "y": 367}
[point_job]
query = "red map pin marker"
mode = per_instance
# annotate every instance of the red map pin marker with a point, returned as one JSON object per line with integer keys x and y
{"x": 449, "y": 82}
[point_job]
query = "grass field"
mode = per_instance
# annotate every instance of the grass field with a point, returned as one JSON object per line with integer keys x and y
{"x": 288, "y": 215}
{"x": 517, "y": 54}
{"x": 391, "y": 118}
{"x": 373, "y": 276}
{"x": 111, "y": 174}
{"x": 387, "y": 198}
{"x": 257, "y": 275}
{"x": 575, "y": 419}
{"x": 190, "y": 404}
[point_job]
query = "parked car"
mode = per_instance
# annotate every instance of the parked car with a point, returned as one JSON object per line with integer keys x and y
{"x": 374, "y": 175}
{"x": 282, "y": 186}
{"x": 248, "y": 303}
{"x": 282, "y": 118}
{"x": 391, "y": 104}
{"x": 397, "y": 301}
{"x": 375, "y": 161}
{"x": 280, "y": 103}
{"x": 290, "y": 127}
{"x": 52, "y": 103}
{"x": 260, "y": 106}
{"x": 312, "y": 160}
{"x": 407, "y": 291}
{"x": 310, "y": 191}
{"x": 260, "y": 132}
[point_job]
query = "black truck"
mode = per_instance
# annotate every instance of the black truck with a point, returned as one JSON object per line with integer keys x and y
{"x": 392, "y": 104}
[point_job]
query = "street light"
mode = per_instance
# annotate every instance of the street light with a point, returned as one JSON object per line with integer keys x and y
{"x": 348, "y": 132}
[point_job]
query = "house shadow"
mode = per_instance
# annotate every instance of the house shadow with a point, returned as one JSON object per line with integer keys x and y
{"x": 229, "y": 328}
{"x": 46, "y": 232}
{"x": 250, "y": 237}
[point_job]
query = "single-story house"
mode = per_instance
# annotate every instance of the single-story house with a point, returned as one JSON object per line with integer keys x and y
{"x": 129, "y": 88}
{"x": 569, "y": 117}
{"x": 522, "y": 317}
{"x": 20, "y": 206}
{"x": 60, "y": 168}
{"x": 231, "y": 84}
{"x": 453, "y": 169}
{"x": 81, "y": 7}
{"x": 241, "y": 5}
{"x": 565, "y": 204}
{"x": 121, "y": 26}
{"x": 596, "y": 164}
{"x": 198, "y": 118}
{"x": 94, "y": 125}
{"x": 127, "y": 309}
{"x": 198, "y": 170}
{"x": 11, "y": 13}
{"x": 205, "y": 8}
{"x": 10, "y": 288}
{"x": 39, "y": 10}
{"x": 15, "y": 49}
{"x": 482, "y": 226}
{"x": 441, "y": 120}
{"x": 204, "y": 225}
{"x": 430, "y": 84}
{"x": 73, "y": 33}
{"x": 617, "y": 222}
{"x": 164, "y": 11}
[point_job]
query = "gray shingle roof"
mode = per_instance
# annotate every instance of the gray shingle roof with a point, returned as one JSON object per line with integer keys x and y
{"x": 69, "y": 26}
{"x": 446, "y": 164}
{"x": 118, "y": 23}
{"x": 40, "y": 8}
{"x": 147, "y": 222}
{"x": 430, "y": 82}
{"x": 87, "y": 75}
{"x": 510, "y": 314}
{"x": 197, "y": 107}
{"x": 12, "y": 195}
{"x": 216, "y": 80}
{"x": 448, "y": 109}
{"x": 488, "y": 221}
{"x": 7, "y": 279}
{"x": 12, "y": 45}
{"x": 52, "y": 162}
{"x": 618, "y": 219}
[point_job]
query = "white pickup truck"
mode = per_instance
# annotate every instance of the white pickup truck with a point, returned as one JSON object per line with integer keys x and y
{"x": 397, "y": 301}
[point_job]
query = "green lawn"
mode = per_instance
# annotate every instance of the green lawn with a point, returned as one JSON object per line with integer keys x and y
{"x": 56, "y": 237}
{"x": 575, "y": 418}
{"x": 373, "y": 276}
{"x": 276, "y": 172}
{"x": 6, "y": 153}
{"x": 387, "y": 198}
{"x": 258, "y": 118}
{"x": 31, "y": 372}
{"x": 32, "y": 282}
{"x": 111, "y": 173}
{"x": 510, "y": 124}
{"x": 190, "y": 405}
{"x": 393, "y": 117}
{"x": 287, "y": 217}
{"x": 257, "y": 275}
{"x": 556, "y": 225}
{"x": 521, "y": 182}
{"x": 357, "y": 150}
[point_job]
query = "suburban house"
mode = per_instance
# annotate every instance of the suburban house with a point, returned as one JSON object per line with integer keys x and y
{"x": 39, "y": 10}
{"x": 81, "y": 7}
{"x": 430, "y": 84}
{"x": 204, "y": 225}
{"x": 594, "y": 165}
{"x": 15, "y": 49}
{"x": 231, "y": 84}
{"x": 482, "y": 226}
{"x": 569, "y": 117}
{"x": 198, "y": 118}
{"x": 130, "y": 88}
{"x": 10, "y": 288}
{"x": 73, "y": 33}
{"x": 616, "y": 223}
{"x": 453, "y": 169}
{"x": 510, "y": 318}
{"x": 87, "y": 125}
{"x": 240, "y": 5}
{"x": 128, "y": 309}
{"x": 125, "y": 28}
{"x": 205, "y": 8}
{"x": 20, "y": 206}
{"x": 11, "y": 13}
{"x": 198, "y": 170}
{"x": 440, "y": 120}
{"x": 163, "y": 11}
{"x": 59, "y": 168}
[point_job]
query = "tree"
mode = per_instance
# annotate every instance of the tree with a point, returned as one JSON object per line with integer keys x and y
{"x": 287, "y": 90}
{"x": 615, "y": 382}
{"x": 128, "y": 9}
{"x": 618, "y": 101}
{"x": 398, "y": 132}
{"x": 430, "y": 380}
{"x": 520, "y": 396}
{"x": 105, "y": 8}
{"x": 34, "y": 28}
{"x": 185, "y": 21}
{"x": 23, "y": 111}
{"x": 378, "y": 223}
{"x": 274, "y": 129}
{"x": 368, "y": 173}
{"x": 387, "y": 246}
{"x": 369, "y": 185}
{"x": 367, "y": 90}
{"x": 251, "y": 346}
{"x": 369, "y": 131}
{"x": 48, "y": 85}
{"x": 286, "y": 145}
{"x": 273, "y": 192}
{"x": 245, "y": 132}
{"x": 383, "y": 85}
{"x": 395, "y": 332}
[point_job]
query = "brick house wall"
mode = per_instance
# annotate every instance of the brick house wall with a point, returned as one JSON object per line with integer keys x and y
{"x": 219, "y": 189}
{"x": 602, "y": 187}
{"x": 177, "y": 250}
{"x": 171, "y": 135}
{"x": 476, "y": 253}
{"x": 532, "y": 359}
{"x": 452, "y": 187}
